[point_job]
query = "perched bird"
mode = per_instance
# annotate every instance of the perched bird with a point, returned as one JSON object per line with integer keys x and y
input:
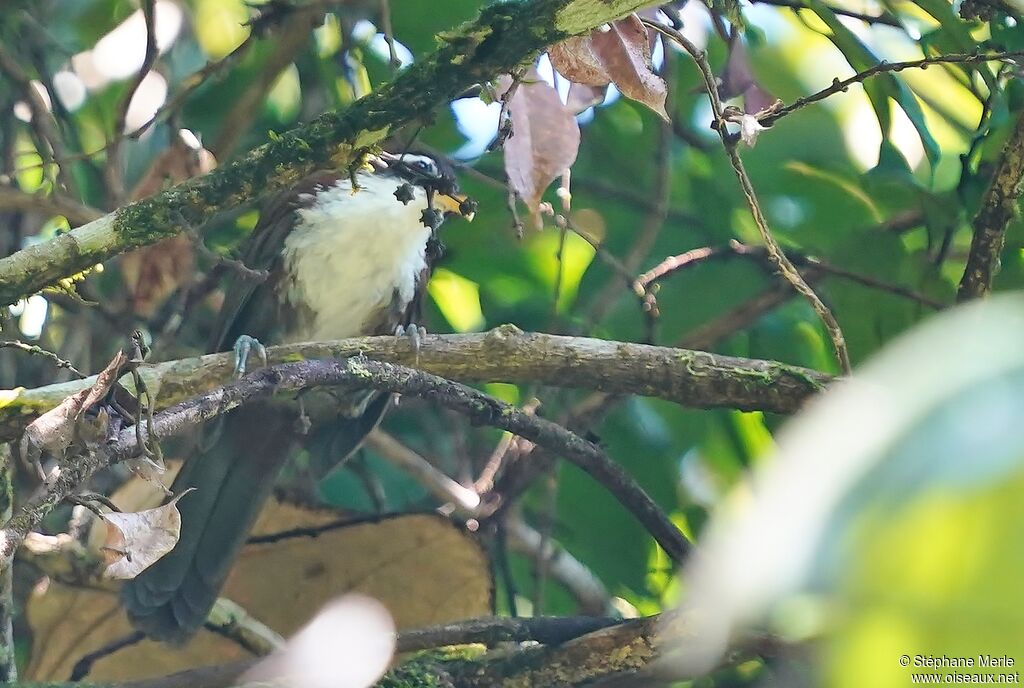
{"x": 340, "y": 263}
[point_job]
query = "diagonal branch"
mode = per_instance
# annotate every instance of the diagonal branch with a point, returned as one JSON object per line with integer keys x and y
{"x": 998, "y": 208}
{"x": 500, "y": 39}
{"x": 775, "y": 253}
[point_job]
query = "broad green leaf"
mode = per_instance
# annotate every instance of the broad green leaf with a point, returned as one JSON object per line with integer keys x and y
{"x": 892, "y": 508}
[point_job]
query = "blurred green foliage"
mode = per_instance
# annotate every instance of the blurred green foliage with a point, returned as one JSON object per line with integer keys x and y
{"x": 832, "y": 179}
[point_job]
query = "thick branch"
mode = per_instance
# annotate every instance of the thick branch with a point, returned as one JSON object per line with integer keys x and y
{"x": 692, "y": 378}
{"x": 502, "y": 37}
{"x": 566, "y": 658}
{"x": 998, "y": 207}
{"x": 357, "y": 374}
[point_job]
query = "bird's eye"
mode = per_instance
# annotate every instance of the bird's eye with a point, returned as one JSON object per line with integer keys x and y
{"x": 425, "y": 166}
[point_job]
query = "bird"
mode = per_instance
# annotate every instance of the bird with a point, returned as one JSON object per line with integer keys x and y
{"x": 344, "y": 255}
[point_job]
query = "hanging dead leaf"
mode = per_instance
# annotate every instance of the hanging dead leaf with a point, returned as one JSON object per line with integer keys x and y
{"x": 421, "y": 567}
{"x": 54, "y": 431}
{"x": 136, "y": 540}
{"x": 575, "y": 59}
{"x": 618, "y": 53}
{"x": 545, "y": 139}
{"x": 152, "y": 273}
{"x": 582, "y": 97}
{"x": 625, "y": 51}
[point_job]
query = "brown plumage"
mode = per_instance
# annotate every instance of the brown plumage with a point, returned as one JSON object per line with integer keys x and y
{"x": 340, "y": 264}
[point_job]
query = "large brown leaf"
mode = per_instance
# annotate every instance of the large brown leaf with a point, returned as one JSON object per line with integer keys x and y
{"x": 421, "y": 567}
{"x": 545, "y": 139}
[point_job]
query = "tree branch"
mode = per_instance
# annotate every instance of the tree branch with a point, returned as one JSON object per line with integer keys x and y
{"x": 357, "y": 374}
{"x": 54, "y": 204}
{"x": 998, "y": 208}
{"x": 775, "y": 252}
{"x": 506, "y": 354}
{"x": 838, "y": 86}
{"x": 502, "y": 37}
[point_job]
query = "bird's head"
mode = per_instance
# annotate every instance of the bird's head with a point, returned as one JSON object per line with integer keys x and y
{"x": 435, "y": 175}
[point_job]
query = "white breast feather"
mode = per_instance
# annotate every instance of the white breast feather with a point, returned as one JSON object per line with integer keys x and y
{"x": 348, "y": 266}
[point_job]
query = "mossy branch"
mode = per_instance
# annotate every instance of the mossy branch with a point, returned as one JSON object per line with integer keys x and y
{"x": 503, "y": 36}
{"x": 998, "y": 208}
{"x": 691, "y": 378}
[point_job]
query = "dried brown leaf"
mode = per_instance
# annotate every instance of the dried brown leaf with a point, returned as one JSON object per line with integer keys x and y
{"x": 54, "y": 431}
{"x": 619, "y": 53}
{"x": 575, "y": 59}
{"x": 545, "y": 139}
{"x": 582, "y": 97}
{"x": 136, "y": 540}
{"x": 625, "y": 51}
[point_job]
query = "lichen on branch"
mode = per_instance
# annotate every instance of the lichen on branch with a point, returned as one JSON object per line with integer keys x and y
{"x": 502, "y": 37}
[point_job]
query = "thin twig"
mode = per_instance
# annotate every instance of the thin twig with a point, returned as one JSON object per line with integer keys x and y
{"x": 84, "y": 665}
{"x": 734, "y": 248}
{"x": 233, "y": 264}
{"x": 838, "y": 86}
{"x": 646, "y": 237}
{"x": 113, "y": 173}
{"x": 439, "y": 484}
{"x": 42, "y": 121}
{"x": 39, "y": 351}
{"x": 295, "y": 34}
{"x": 775, "y": 252}
{"x": 580, "y": 581}
{"x": 229, "y": 620}
{"x": 53, "y": 204}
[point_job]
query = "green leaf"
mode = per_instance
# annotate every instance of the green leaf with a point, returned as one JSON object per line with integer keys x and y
{"x": 881, "y": 87}
{"x": 956, "y": 30}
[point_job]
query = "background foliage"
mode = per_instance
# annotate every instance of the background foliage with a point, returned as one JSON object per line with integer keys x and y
{"x": 879, "y": 184}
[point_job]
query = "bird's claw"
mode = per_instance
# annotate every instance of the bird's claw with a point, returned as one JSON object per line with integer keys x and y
{"x": 414, "y": 333}
{"x": 243, "y": 346}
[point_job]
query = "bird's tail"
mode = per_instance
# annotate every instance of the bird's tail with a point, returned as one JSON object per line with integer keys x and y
{"x": 171, "y": 599}
{"x": 233, "y": 478}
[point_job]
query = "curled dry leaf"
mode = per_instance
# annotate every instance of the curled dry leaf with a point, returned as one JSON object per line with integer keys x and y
{"x": 619, "y": 53}
{"x": 137, "y": 540}
{"x": 545, "y": 139}
{"x": 54, "y": 431}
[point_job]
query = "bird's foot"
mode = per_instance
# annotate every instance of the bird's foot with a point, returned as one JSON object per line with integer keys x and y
{"x": 244, "y": 345}
{"x": 415, "y": 334}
